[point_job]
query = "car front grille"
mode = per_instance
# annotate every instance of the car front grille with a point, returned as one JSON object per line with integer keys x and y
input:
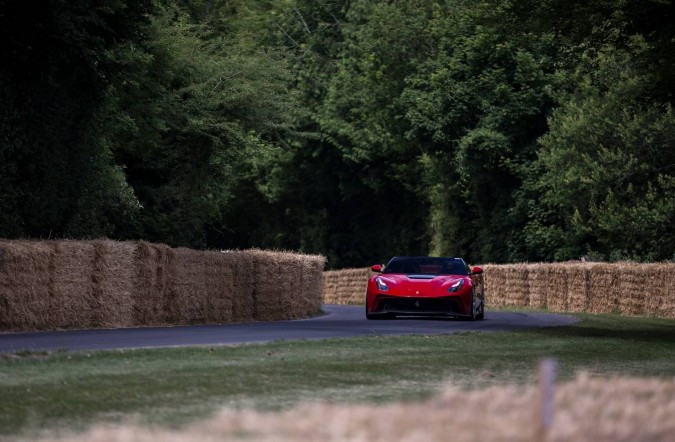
{"x": 421, "y": 306}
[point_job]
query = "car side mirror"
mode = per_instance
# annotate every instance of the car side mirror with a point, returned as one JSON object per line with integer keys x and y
{"x": 476, "y": 271}
{"x": 376, "y": 268}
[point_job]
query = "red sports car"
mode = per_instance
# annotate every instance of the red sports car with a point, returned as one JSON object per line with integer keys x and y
{"x": 425, "y": 286}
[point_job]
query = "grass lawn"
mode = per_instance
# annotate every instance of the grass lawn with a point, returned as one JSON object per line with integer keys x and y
{"x": 68, "y": 390}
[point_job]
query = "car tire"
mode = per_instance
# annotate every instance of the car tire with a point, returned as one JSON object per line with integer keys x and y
{"x": 472, "y": 315}
{"x": 481, "y": 315}
{"x": 379, "y": 316}
{"x": 372, "y": 317}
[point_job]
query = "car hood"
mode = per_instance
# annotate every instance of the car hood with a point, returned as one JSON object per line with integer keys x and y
{"x": 419, "y": 285}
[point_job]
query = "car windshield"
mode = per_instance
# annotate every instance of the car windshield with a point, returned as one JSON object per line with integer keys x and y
{"x": 427, "y": 266}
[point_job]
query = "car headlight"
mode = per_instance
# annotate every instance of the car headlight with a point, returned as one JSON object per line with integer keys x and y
{"x": 381, "y": 286}
{"x": 456, "y": 286}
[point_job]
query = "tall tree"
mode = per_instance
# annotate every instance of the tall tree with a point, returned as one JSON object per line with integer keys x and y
{"x": 478, "y": 103}
{"x": 607, "y": 165}
{"x": 200, "y": 113}
{"x": 59, "y": 60}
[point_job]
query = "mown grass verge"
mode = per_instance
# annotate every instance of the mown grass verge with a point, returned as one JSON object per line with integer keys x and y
{"x": 64, "y": 391}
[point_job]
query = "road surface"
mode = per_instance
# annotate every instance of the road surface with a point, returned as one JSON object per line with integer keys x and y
{"x": 338, "y": 322}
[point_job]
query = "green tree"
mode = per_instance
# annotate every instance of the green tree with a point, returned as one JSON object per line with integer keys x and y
{"x": 59, "y": 61}
{"x": 478, "y": 104}
{"x": 440, "y": 104}
{"x": 607, "y": 164}
{"x": 200, "y": 113}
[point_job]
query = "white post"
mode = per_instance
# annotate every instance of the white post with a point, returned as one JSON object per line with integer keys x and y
{"x": 547, "y": 369}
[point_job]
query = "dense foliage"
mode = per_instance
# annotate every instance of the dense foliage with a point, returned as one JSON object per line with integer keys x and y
{"x": 498, "y": 130}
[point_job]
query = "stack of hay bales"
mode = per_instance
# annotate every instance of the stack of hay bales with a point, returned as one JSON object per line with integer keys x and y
{"x": 307, "y": 278}
{"x": 312, "y": 282}
{"x": 627, "y": 288}
{"x": 660, "y": 296}
{"x": 346, "y": 286}
{"x": 509, "y": 284}
{"x": 646, "y": 289}
{"x": 25, "y": 284}
{"x": 578, "y": 285}
{"x": 201, "y": 288}
{"x": 90, "y": 284}
{"x": 269, "y": 279}
{"x": 65, "y": 284}
{"x": 538, "y": 278}
{"x": 285, "y": 280}
{"x": 494, "y": 277}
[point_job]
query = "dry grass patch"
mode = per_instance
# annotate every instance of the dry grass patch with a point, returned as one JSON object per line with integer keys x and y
{"x": 608, "y": 409}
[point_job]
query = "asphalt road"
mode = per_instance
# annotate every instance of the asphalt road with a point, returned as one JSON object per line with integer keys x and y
{"x": 338, "y": 322}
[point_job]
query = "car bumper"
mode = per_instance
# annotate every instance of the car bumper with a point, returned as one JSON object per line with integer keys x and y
{"x": 418, "y": 306}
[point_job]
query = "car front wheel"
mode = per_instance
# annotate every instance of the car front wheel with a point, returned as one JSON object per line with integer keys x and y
{"x": 481, "y": 315}
{"x": 472, "y": 314}
{"x": 379, "y": 316}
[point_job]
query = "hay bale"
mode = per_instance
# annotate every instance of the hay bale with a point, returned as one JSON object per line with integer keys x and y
{"x": 578, "y": 287}
{"x": 557, "y": 290}
{"x": 72, "y": 301}
{"x": 218, "y": 290}
{"x": 114, "y": 278}
{"x": 359, "y": 286}
{"x": 25, "y": 284}
{"x": 331, "y": 281}
{"x": 647, "y": 289}
{"x": 187, "y": 301}
{"x": 269, "y": 277}
{"x": 495, "y": 277}
{"x": 507, "y": 284}
{"x": 293, "y": 286}
{"x": 307, "y": 295}
{"x": 288, "y": 275}
{"x": 633, "y": 287}
{"x": 603, "y": 291}
{"x": 538, "y": 284}
{"x": 660, "y": 291}
{"x": 347, "y": 286}
{"x": 313, "y": 283}
{"x": 516, "y": 285}
{"x": 154, "y": 278}
{"x": 666, "y": 291}
{"x": 243, "y": 287}
{"x": 286, "y": 285}
{"x": 353, "y": 285}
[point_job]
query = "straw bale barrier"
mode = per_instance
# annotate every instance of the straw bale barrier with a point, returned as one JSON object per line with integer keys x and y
{"x": 28, "y": 270}
{"x": 345, "y": 286}
{"x": 154, "y": 278}
{"x": 627, "y": 288}
{"x": 585, "y": 409}
{"x": 104, "y": 283}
